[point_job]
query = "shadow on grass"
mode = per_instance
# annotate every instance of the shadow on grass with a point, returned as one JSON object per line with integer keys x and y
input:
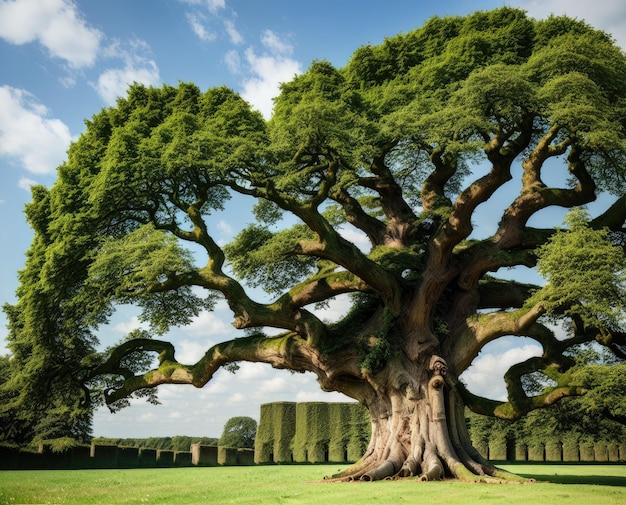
{"x": 594, "y": 480}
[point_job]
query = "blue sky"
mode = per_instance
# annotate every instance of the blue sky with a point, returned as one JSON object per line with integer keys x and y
{"x": 61, "y": 61}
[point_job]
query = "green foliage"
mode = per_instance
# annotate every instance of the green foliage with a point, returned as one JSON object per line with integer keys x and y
{"x": 586, "y": 274}
{"x": 379, "y": 348}
{"x": 598, "y": 415}
{"x": 606, "y": 387}
{"x": 270, "y": 260}
{"x": 567, "y": 421}
{"x": 318, "y": 432}
{"x": 351, "y": 325}
{"x": 310, "y": 442}
{"x": 394, "y": 144}
{"x": 239, "y": 432}
{"x": 276, "y": 430}
{"x": 129, "y": 268}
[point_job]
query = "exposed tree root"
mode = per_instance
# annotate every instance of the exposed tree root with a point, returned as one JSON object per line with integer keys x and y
{"x": 422, "y": 436}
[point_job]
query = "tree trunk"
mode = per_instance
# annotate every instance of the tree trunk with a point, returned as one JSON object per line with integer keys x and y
{"x": 419, "y": 430}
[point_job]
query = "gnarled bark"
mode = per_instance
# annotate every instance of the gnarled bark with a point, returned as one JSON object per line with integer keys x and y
{"x": 418, "y": 430}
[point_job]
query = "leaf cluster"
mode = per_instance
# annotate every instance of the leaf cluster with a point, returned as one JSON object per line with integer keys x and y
{"x": 239, "y": 432}
{"x": 585, "y": 272}
{"x": 269, "y": 259}
{"x": 387, "y": 144}
{"x": 132, "y": 269}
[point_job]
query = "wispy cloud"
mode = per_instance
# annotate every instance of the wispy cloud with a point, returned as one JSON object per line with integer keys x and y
{"x": 274, "y": 43}
{"x": 25, "y": 183}
{"x": 55, "y": 24}
{"x": 27, "y": 133}
{"x": 138, "y": 67}
{"x": 208, "y": 324}
{"x": 267, "y": 71}
{"x": 196, "y": 21}
{"x": 203, "y": 13}
{"x": 233, "y": 61}
{"x": 213, "y": 5}
{"x": 216, "y": 5}
{"x": 234, "y": 35}
{"x": 127, "y": 326}
{"x": 261, "y": 70}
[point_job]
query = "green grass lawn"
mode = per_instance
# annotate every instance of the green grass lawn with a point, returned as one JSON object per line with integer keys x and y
{"x": 556, "y": 484}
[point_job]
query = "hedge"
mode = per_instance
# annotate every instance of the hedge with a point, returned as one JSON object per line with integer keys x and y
{"x": 275, "y": 432}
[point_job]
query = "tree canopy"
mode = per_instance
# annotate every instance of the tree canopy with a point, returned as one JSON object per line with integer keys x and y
{"x": 239, "y": 432}
{"x": 402, "y": 145}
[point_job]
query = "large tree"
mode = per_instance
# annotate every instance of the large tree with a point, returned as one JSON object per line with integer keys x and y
{"x": 403, "y": 144}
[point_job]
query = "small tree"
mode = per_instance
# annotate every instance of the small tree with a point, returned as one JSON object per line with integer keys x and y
{"x": 239, "y": 432}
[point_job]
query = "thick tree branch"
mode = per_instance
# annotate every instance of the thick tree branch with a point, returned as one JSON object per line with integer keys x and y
{"x": 323, "y": 287}
{"x": 284, "y": 351}
{"x": 536, "y": 196}
{"x": 400, "y": 216}
{"x": 510, "y": 412}
{"x": 459, "y": 226}
{"x": 480, "y": 329}
{"x": 433, "y": 189}
{"x": 332, "y": 246}
{"x": 357, "y": 217}
{"x": 503, "y": 294}
{"x": 614, "y": 217}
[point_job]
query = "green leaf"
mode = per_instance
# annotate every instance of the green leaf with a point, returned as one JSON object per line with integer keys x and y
{"x": 585, "y": 273}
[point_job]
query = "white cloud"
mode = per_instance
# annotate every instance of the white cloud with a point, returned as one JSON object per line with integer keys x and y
{"x": 267, "y": 71}
{"x": 138, "y": 68}
{"x": 148, "y": 417}
{"x": 277, "y": 384}
{"x": 273, "y": 42}
{"x": 127, "y": 326}
{"x": 225, "y": 227}
{"x": 213, "y": 5}
{"x": 237, "y": 398}
{"x": 216, "y": 5}
{"x": 27, "y": 134}
{"x": 233, "y": 61}
{"x": 252, "y": 372}
{"x": 337, "y": 308}
{"x": 208, "y": 324}
{"x": 190, "y": 352}
{"x": 608, "y": 15}
{"x": 56, "y": 24}
{"x": 321, "y": 396}
{"x": 357, "y": 237}
{"x": 198, "y": 19}
{"x": 196, "y": 22}
{"x": 25, "y": 183}
{"x": 484, "y": 377}
{"x": 235, "y": 37}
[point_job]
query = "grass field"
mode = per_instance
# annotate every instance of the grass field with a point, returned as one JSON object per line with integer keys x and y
{"x": 556, "y": 484}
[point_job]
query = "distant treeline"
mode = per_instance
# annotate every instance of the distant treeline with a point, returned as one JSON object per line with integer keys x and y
{"x": 177, "y": 443}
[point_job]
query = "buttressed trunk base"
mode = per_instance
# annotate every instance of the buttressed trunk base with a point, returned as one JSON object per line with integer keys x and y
{"x": 419, "y": 430}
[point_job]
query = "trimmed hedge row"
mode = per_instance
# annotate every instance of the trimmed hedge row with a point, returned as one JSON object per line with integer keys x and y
{"x": 311, "y": 432}
{"x": 288, "y": 432}
{"x": 275, "y": 432}
{"x": 567, "y": 451}
{"x": 110, "y": 456}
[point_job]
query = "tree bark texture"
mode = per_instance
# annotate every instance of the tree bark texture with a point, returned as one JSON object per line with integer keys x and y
{"x": 419, "y": 430}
